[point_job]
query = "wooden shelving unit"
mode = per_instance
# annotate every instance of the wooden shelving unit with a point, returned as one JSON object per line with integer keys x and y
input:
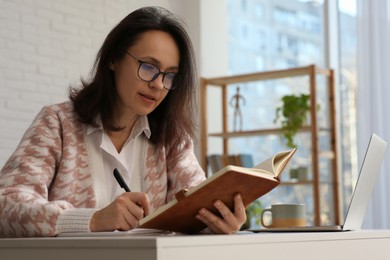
{"x": 311, "y": 71}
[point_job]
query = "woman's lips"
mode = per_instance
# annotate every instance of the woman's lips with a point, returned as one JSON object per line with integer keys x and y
{"x": 148, "y": 98}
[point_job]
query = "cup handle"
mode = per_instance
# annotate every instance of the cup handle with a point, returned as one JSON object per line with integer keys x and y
{"x": 262, "y": 218}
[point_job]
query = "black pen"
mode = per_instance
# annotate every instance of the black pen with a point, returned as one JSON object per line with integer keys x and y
{"x": 120, "y": 180}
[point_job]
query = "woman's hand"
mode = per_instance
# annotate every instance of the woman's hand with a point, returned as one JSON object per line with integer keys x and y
{"x": 230, "y": 222}
{"x": 123, "y": 213}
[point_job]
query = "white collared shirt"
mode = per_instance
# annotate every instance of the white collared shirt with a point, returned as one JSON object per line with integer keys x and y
{"x": 123, "y": 161}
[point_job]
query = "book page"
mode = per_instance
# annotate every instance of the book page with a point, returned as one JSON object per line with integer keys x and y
{"x": 276, "y": 164}
{"x": 281, "y": 160}
{"x": 267, "y": 165}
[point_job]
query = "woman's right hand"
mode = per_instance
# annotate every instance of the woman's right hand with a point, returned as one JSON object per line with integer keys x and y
{"x": 123, "y": 213}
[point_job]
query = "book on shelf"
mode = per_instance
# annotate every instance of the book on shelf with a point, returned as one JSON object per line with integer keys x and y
{"x": 215, "y": 161}
{"x": 244, "y": 160}
{"x": 179, "y": 214}
{"x": 233, "y": 159}
{"x": 218, "y": 161}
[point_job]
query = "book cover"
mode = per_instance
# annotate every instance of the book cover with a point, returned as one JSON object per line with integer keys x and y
{"x": 252, "y": 183}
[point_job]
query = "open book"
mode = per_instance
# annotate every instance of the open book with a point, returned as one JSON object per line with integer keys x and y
{"x": 252, "y": 183}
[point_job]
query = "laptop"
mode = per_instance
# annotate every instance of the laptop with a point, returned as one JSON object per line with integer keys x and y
{"x": 369, "y": 172}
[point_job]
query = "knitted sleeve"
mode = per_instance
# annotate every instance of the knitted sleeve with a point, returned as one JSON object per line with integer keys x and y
{"x": 186, "y": 173}
{"x": 30, "y": 201}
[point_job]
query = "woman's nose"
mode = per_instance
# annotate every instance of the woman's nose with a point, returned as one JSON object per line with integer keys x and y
{"x": 158, "y": 83}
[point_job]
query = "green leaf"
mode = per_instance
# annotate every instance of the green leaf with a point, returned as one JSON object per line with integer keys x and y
{"x": 292, "y": 114}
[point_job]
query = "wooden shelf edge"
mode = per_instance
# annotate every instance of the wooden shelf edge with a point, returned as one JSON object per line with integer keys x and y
{"x": 308, "y": 182}
{"x": 253, "y": 132}
{"x": 290, "y": 183}
{"x": 266, "y": 75}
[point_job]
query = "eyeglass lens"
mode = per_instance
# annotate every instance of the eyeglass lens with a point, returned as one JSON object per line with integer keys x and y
{"x": 149, "y": 72}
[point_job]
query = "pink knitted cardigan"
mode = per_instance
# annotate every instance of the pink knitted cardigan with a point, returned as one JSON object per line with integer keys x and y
{"x": 47, "y": 186}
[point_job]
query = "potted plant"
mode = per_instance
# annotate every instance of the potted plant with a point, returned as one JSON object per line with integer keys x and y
{"x": 292, "y": 114}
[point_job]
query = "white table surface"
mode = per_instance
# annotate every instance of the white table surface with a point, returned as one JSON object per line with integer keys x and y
{"x": 365, "y": 244}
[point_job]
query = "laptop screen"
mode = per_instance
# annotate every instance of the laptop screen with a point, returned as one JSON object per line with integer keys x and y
{"x": 364, "y": 187}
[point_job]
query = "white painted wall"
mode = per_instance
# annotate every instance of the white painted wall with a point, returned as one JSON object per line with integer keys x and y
{"x": 214, "y": 62}
{"x": 214, "y": 38}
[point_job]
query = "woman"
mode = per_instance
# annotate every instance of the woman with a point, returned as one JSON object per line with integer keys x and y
{"x": 135, "y": 115}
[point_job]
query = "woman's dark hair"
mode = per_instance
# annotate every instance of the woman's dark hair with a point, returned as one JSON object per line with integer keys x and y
{"x": 171, "y": 122}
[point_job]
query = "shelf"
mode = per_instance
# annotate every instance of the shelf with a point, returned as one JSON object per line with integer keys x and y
{"x": 308, "y": 182}
{"x": 258, "y": 132}
{"x": 326, "y": 154}
{"x": 252, "y": 132}
{"x": 291, "y": 183}
{"x": 314, "y": 131}
{"x": 277, "y": 74}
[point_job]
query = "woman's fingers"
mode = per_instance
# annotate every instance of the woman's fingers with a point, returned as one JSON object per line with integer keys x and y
{"x": 229, "y": 222}
{"x": 136, "y": 203}
{"x": 123, "y": 213}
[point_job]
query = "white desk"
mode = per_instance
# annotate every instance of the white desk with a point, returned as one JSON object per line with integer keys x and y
{"x": 372, "y": 244}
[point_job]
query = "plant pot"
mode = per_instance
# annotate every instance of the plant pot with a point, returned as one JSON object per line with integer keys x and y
{"x": 302, "y": 173}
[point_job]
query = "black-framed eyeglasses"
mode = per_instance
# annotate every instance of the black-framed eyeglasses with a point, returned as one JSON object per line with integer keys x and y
{"x": 149, "y": 72}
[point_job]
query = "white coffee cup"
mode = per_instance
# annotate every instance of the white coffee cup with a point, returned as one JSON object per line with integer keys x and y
{"x": 285, "y": 215}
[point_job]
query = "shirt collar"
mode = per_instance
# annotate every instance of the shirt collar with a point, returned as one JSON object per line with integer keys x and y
{"x": 140, "y": 126}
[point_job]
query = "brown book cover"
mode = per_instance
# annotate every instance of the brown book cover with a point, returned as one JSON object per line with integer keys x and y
{"x": 252, "y": 183}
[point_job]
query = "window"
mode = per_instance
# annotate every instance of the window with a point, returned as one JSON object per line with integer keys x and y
{"x": 279, "y": 34}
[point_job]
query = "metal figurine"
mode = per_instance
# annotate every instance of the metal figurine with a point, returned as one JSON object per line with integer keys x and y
{"x": 235, "y": 102}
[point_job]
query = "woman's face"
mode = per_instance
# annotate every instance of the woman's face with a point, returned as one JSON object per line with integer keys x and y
{"x": 137, "y": 97}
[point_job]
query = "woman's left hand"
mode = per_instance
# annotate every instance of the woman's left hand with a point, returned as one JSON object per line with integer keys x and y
{"x": 230, "y": 222}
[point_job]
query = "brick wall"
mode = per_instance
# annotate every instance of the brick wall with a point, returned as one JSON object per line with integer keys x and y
{"x": 45, "y": 46}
